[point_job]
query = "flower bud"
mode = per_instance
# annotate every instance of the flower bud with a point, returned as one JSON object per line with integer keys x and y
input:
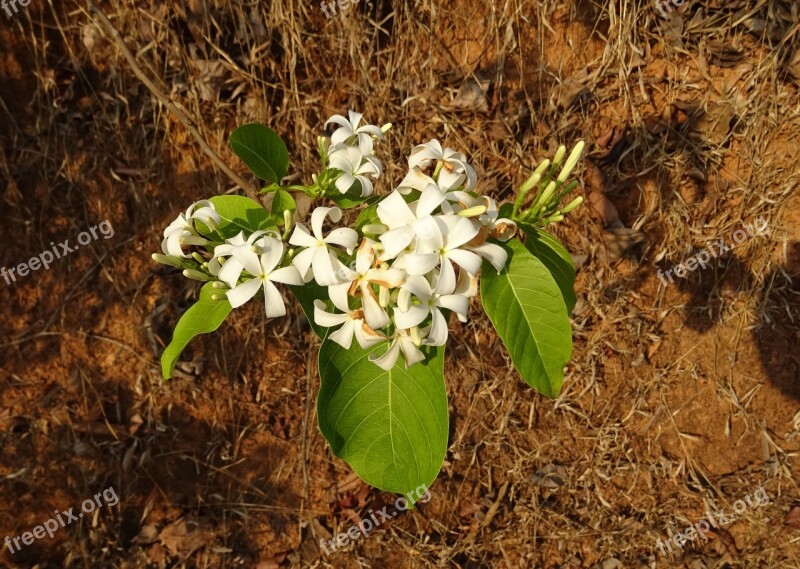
{"x": 196, "y": 275}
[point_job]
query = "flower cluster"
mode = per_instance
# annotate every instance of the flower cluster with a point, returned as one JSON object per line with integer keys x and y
{"x": 351, "y": 153}
{"x": 394, "y": 282}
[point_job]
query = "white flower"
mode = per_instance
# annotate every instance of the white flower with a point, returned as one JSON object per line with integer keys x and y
{"x": 182, "y": 232}
{"x": 404, "y": 220}
{"x": 401, "y": 342}
{"x": 352, "y": 324}
{"x": 447, "y": 235}
{"x": 455, "y": 170}
{"x": 316, "y": 260}
{"x": 431, "y": 302}
{"x": 349, "y": 128}
{"x": 230, "y": 271}
{"x": 362, "y": 277}
{"x": 262, "y": 268}
{"x": 498, "y": 227}
{"x": 354, "y": 167}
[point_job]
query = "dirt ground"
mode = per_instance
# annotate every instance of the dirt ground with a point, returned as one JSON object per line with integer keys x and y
{"x": 680, "y": 398}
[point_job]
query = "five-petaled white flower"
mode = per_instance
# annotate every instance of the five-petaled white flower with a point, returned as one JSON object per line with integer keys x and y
{"x": 445, "y": 237}
{"x": 401, "y": 343}
{"x": 430, "y": 303}
{"x": 317, "y": 261}
{"x": 455, "y": 170}
{"x": 362, "y": 277}
{"x": 349, "y": 128}
{"x": 262, "y": 268}
{"x": 355, "y": 167}
{"x": 352, "y": 324}
{"x": 405, "y": 221}
{"x": 182, "y": 232}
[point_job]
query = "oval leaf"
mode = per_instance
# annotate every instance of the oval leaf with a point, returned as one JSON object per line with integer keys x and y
{"x": 203, "y": 317}
{"x": 391, "y": 427}
{"x": 557, "y": 259}
{"x": 526, "y": 306}
{"x": 239, "y": 213}
{"x": 261, "y": 150}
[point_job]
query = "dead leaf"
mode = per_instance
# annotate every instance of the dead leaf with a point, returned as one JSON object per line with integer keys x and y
{"x": 472, "y": 95}
{"x": 184, "y": 537}
{"x": 618, "y": 241}
{"x": 792, "y": 518}
{"x": 209, "y": 77}
{"x": 606, "y": 210}
{"x": 550, "y": 476}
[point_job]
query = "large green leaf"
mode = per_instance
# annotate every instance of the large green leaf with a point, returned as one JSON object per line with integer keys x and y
{"x": 525, "y": 304}
{"x": 391, "y": 427}
{"x": 262, "y": 151}
{"x": 239, "y": 213}
{"x": 557, "y": 259}
{"x": 203, "y": 317}
{"x": 306, "y": 295}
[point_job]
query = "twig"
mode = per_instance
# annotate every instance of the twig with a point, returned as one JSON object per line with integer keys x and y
{"x": 249, "y": 188}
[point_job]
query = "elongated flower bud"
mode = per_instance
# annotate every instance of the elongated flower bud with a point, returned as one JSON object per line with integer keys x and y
{"x": 571, "y": 161}
{"x": 196, "y": 275}
{"x": 166, "y": 260}
{"x": 571, "y": 205}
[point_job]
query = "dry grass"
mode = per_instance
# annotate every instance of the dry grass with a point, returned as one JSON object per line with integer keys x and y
{"x": 677, "y": 398}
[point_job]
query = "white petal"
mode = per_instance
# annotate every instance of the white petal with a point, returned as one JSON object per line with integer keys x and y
{"x": 429, "y": 231}
{"x": 447, "y": 277}
{"x": 344, "y": 335}
{"x": 375, "y": 316}
{"x": 339, "y": 296}
{"x": 327, "y": 319}
{"x": 244, "y": 292}
{"x": 322, "y": 267}
{"x": 390, "y": 278}
{"x": 456, "y": 303}
{"x": 365, "y": 256}
{"x": 430, "y": 199}
{"x": 230, "y": 272}
{"x": 468, "y": 260}
{"x": 394, "y": 211}
{"x": 387, "y": 360}
{"x": 421, "y": 264}
{"x": 301, "y": 237}
{"x": 411, "y": 353}
{"x": 366, "y": 336}
{"x": 302, "y": 262}
{"x": 495, "y": 254}
{"x": 437, "y": 335}
{"x": 272, "y": 255}
{"x": 395, "y": 241}
{"x": 345, "y": 182}
{"x": 459, "y": 231}
{"x": 273, "y": 301}
{"x": 249, "y": 260}
{"x": 419, "y": 287}
{"x": 414, "y": 316}
{"x": 318, "y": 218}
{"x": 344, "y": 237}
{"x": 287, "y": 275}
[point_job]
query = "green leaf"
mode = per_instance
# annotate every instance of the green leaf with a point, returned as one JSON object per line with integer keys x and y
{"x": 391, "y": 426}
{"x": 557, "y": 259}
{"x": 368, "y": 215}
{"x": 239, "y": 213}
{"x": 262, "y": 151}
{"x": 281, "y": 201}
{"x": 525, "y": 304}
{"x": 306, "y": 295}
{"x": 349, "y": 200}
{"x": 203, "y": 317}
